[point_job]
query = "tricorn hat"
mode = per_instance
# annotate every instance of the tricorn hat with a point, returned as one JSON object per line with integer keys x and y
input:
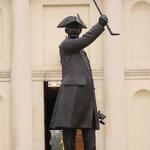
{"x": 71, "y": 19}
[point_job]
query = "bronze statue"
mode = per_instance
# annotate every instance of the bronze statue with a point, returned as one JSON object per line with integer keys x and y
{"x": 75, "y": 106}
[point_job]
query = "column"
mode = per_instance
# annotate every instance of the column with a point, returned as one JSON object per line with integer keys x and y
{"x": 21, "y": 77}
{"x": 115, "y": 129}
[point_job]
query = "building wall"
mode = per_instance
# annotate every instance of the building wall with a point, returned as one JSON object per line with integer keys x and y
{"x": 45, "y": 37}
{"x": 137, "y": 64}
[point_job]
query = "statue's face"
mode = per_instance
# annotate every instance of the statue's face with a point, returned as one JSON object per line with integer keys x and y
{"x": 73, "y": 31}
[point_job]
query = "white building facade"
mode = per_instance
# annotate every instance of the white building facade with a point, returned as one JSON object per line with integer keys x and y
{"x": 29, "y": 56}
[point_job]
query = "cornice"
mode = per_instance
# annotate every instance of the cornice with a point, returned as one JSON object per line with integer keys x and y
{"x": 4, "y": 76}
{"x": 130, "y": 74}
{"x": 46, "y": 75}
{"x": 56, "y": 75}
{"x": 137, "y": 74}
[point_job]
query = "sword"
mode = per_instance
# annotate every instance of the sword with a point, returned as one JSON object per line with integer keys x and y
{"x": 109, "y": 29}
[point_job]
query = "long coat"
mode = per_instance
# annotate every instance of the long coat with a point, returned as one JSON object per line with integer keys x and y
{"x": 75, "y": 105}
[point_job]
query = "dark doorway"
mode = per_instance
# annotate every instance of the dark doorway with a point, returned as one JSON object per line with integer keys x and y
{"x": 50, "y": 94}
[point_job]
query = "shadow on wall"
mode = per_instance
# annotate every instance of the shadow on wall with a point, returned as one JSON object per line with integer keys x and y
{"x": 141, "y": 120}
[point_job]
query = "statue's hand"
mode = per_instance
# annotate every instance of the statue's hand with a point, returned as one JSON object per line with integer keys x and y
{"x": 103, "y": 20}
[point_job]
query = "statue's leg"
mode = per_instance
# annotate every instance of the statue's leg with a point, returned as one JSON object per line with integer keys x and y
{"x": 69, "y": 138}
{"x": 89, "y": 139}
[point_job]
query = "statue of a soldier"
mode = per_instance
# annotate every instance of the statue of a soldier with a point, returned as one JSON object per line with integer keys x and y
{"x": 75, "y": 106}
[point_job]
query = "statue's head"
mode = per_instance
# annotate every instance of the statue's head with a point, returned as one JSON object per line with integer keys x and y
{"x": 73, "y": 26}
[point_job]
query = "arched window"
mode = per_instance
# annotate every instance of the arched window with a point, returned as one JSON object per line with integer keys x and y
{"x": 141, "y": 120}
{"x": 140, "y": 30}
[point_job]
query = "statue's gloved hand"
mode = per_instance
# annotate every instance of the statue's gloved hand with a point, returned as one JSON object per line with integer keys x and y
{"x": 103, "y": 20}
